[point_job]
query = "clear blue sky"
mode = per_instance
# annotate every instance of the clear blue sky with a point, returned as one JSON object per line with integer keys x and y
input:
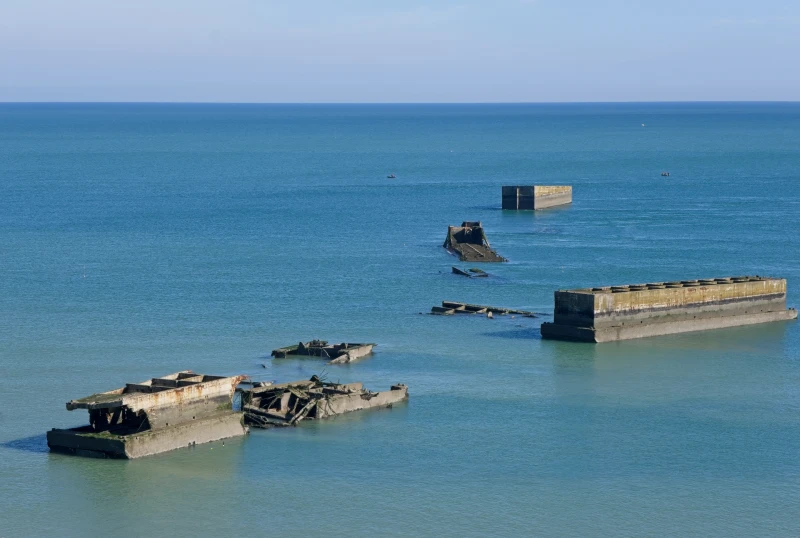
{"x": 393, "y": 51}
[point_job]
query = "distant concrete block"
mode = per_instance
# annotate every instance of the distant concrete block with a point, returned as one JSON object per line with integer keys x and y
{"x": 535, "y": 197}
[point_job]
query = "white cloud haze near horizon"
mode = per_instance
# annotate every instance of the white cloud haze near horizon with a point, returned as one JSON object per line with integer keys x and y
{"x": 392, "y": 51}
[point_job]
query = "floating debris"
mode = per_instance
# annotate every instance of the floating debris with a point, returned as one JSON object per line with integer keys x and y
{"x": 335, "y": 353}
{"x": 665, "y": 174}
{"x": 154, "y": 416}
{"x": 286, "y": 404}
{"x": 469, "y": 242}
{"x": 450, "y": 308}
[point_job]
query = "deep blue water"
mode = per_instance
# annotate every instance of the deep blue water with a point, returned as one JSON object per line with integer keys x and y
{"x": 137, "y": 240}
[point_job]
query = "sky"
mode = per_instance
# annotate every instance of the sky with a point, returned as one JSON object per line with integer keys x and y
{"x": 366, "y": 51}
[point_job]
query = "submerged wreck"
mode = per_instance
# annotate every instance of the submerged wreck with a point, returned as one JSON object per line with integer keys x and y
{"x": 157, "y": 415}
{"x": 450, "y": 308}
{"x": 469, "y": 243}
{"x": 286, "y": 404}
{"x": 470, "y": 273}
{"x": 335, "y": 353}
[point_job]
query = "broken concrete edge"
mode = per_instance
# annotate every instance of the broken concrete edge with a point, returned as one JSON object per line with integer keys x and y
{"x": 287, "y": 404}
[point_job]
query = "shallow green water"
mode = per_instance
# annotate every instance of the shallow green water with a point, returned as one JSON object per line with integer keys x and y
{"x": 137, "y": 240}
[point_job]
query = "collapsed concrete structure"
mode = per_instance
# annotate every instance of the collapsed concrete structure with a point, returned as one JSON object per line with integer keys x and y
{"x": 612, "y": 313}
{"x": 536, "y": 197}
{"x": 154, "y": 416}
{"x": 470, "y": 244}
{"x": 335, "y": 353}
{"x": 286, "y": 404}
{"x": 450, "y": 308}
{"x": 470, "y": 273}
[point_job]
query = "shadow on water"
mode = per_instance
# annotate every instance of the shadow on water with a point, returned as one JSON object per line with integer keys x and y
{"x": 532, "y": 333}
{"x": 35, "y": 443}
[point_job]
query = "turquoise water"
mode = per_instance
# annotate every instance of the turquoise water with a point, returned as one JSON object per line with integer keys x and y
{"x": 137, "y": 240}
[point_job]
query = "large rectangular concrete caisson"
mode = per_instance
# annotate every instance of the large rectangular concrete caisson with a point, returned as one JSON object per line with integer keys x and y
{"x": 157, "y": 415}
{"x": 536, "y": 196}
{"x": 612, "y": 313}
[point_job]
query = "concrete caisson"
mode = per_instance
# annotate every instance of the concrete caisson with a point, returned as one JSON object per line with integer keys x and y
{"x": 533, "y": 197}
{"x": 610, "y": 313}
{"x": 157, "y": 415}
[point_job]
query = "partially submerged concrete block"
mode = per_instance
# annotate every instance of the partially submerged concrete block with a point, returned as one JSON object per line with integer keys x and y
{"x": 610, "y": 313}
{"x": 334, "y": 353}
{"x": 286, "y": 404}
{"x": 154, "y": 416}
{"x": 469, "y": 243}
{"x": 450, "y": 308}
{"x": 534, "y": 197}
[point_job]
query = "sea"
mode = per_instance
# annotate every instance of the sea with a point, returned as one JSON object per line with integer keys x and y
{"x": 138, "y": 240}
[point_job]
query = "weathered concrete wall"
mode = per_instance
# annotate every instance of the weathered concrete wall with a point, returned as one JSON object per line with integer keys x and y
{"x": 144, "y": 400}
{"x": 173, "y": 415}
{"x": 222, "y": 426}
{"x": 643, "y": 330}
{"x": 613, "y": 305}
{"x": 83, "y": 442}
{"x": 547, "y": 190}
{"x": 534, "y": 197}
{"x": 700, "y": 301}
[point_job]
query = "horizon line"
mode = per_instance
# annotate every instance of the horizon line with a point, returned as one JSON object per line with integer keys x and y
{"x": 313, "y": 103}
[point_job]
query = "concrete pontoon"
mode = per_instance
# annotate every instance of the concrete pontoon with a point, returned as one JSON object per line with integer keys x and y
{"x": 535, "y": 197}
{"x": 335, "y": 353}
{"x": 286, "y": 404}
{"x": 470, "y": 244}
{"x": 157, "y": 415}
{"x": 610, "y": 313}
